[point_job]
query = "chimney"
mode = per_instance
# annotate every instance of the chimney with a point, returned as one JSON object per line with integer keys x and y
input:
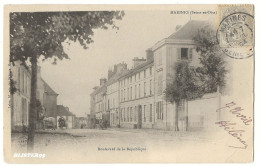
{"x": 177, "y": 27}
{"x": 137, "y": 61}
{"x": 117, "y": 69}
{"x": 102, "y": 81}
{"x": 149, "y": 54}
{"x": 109, "y": 74}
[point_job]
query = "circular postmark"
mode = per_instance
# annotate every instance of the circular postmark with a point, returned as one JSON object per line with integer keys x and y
{"x": 236, "y": 35}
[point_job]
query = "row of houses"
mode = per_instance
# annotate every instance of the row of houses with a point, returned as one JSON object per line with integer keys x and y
{"x": 134, "y": 98}
{"x": 20, "y": 101}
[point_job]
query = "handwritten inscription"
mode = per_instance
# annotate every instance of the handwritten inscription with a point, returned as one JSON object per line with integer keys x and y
{"x": 237, "y": 112}
{"x": 229, "y": 126}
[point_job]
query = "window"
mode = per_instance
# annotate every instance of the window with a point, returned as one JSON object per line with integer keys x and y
{"x": 151, "y": 71}
{"x": 131, "y": 93}
{"x": 127, "y": 93}
{"x": 139, "y": 76}
{"x": 144, "y": 73}
{"x": 159, "y": 110}
{"x": 127, "y": 114}
{"x": 160, "y": 83}
{"x": 124, "y": 94}
{"x": 150, "y": 87}
{"x": 144, "y": 89}
{"x": 135, "y": 114}
{"x": 144, "y": 114}
{"x": 151, "y": 112}
{"x": 139, "y": 91}
{"x": 135, "y": 91}
{"x": 131, "y": 79}
{"x": 124, "y": 115}
{"x": 184, "y": 53}
{"x": 121, "y": 114}
{"x": 131, "y": 114}
{"x": 135, "y": 77}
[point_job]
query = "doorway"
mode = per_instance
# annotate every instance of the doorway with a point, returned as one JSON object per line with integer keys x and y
{"x": 139, "y": 119}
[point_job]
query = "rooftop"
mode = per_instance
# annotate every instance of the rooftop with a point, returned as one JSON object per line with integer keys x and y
{"x": 48, "y": 89}
{"x": 63, "y": 111}
{"x": 188, "y": 30}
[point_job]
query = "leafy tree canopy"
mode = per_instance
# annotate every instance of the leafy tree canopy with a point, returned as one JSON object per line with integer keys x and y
{"x": 185, "y": 85}
{"x": 213, "y": 69}
{"x": 42, "y": 33}
{"x": 193, "y": 82}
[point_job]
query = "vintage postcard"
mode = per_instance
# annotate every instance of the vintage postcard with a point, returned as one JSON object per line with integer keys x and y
{"x": 129, "y": 83}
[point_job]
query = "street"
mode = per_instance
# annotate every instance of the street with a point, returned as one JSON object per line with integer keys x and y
{"x": 93, "y": 142}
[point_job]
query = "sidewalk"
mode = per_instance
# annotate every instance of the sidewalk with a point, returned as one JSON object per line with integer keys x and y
{"x": 187, "y": 135}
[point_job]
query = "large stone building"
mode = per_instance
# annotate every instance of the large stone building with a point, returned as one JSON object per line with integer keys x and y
{"x": 138, "y": 94}
{"x": 20, "y": 100}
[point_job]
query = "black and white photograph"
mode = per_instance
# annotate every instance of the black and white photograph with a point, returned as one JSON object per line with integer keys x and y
{"x": 128, "y": 83}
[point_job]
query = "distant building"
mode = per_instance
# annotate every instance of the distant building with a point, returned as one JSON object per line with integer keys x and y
{"x": 135, "y": 98}
{"x": 69, "y": 117}
{"x": 20, "y": 102}
{"x": 105, "y": 100}
{"x": 48, "y": 98}
{"x": 136, "y": 94}
{"x": 83, "y": 122}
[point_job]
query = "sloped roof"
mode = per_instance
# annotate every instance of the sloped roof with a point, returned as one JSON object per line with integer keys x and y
{"x": 188, "y": 30}
{"x": 63, "y": 111}
{"x": 48, "y": 89}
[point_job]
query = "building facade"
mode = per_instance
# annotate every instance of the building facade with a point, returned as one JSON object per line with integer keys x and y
{"x": 64, "y": 113}
{"x": 136, "y": 95}
{"x": 20, "y": 100}
{"x": 140, "y": 90}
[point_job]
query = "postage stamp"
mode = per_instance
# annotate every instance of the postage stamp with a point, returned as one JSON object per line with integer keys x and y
{"x": 236, "y": 33}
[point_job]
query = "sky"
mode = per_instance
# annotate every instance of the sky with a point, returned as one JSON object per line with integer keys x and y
{"x": 75, "y": 78}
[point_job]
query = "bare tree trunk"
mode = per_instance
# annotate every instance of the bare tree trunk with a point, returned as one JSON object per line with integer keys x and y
{"x": 32, "y": 112}
{"x": 12, "y": 111}
{"x": 187, "y": 116}
{"x": 176, "y": 116}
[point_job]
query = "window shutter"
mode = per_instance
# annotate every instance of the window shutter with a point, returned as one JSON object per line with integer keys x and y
{"x": 178, "y": 53}
{"x": 157, "y": 107}
{"x": 190, "y": 53}
{"x": 162, "y": 108}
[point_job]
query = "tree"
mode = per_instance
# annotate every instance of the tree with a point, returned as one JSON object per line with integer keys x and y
{"x": 184, "y": 86}
{"x": 192, "y": 83}
{"x": 212, "y": 71}
{"x": 12, "y": 90}
{"x": 35, "y": 34}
